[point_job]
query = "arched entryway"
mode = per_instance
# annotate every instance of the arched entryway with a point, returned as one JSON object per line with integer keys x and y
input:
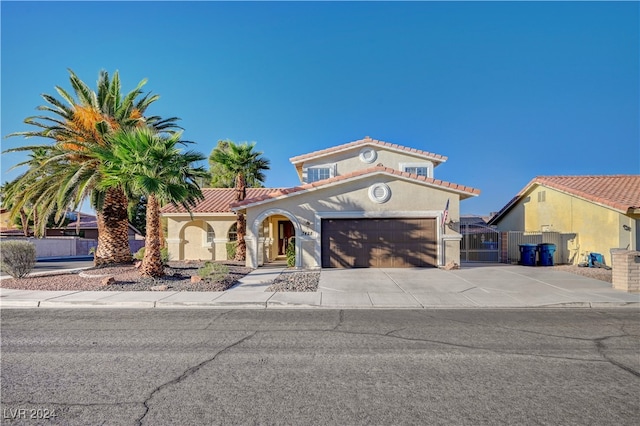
{"x": 273, "y": 231}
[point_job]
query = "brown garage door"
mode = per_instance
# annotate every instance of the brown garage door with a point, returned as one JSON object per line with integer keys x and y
{"x": 378, "y": 243}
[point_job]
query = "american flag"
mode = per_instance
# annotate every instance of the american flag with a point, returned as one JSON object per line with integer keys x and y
{"x": 445, "y": 214}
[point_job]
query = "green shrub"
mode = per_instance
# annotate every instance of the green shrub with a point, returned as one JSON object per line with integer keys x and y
{"x": 213, "y": 271}
{"x": 164, "y": 255}
{"x": 17, "y": 258}
{"x": 231, "y": 250}
{"x": 290, "y": 252}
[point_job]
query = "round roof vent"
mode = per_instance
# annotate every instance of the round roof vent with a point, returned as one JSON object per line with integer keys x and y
{"x": 368, "y": 155}
{"x": 379, "y": 193}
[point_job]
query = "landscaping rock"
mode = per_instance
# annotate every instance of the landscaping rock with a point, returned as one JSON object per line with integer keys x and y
{"x": 196, "y": 279}
{"x": 162, "y": 287}
{"x": 107, "y": 281}
{"x": 451, "y": 265}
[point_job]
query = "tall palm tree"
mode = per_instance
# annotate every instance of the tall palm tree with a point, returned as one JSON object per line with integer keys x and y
{"x": 77, "y": 125}
{"x": 244, "y": 164}
{"x": 143, "y": 163}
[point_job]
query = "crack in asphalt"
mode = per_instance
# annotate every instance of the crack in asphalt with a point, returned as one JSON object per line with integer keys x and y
{"x": 188, "y": 372}
{"x": 394, "y": 331}
{"x": 460, "y": 345}
{"x": 586, "y": 339}
{"x": 340, "y": 320}
{"x": 598, "y": 341}
{"x": 601, "y": 347}
{"x": 217, "y": 318}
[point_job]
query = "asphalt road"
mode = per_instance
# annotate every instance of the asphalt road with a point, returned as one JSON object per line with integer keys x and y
{"x": 474, "y": 367}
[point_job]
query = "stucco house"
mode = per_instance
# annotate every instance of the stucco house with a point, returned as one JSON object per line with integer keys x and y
{"x": 366, "y": 203}
{"x": 602, "y": 211}
{"x": 87, "y": 228}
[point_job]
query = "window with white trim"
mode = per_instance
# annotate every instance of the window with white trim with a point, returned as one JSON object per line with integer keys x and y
{"x": 314, "y": 174}
{"x": 210, "y": 234}
{"x": 233, "y": 233}
{"x": 420, "y": 169}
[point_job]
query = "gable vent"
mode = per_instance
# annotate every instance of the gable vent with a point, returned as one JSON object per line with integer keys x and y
{"x": 368, "y": 155}
{"x": 379, "y": 193}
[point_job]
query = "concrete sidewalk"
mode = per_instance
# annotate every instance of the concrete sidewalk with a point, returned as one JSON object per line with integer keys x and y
{"x": 497, "y": 286}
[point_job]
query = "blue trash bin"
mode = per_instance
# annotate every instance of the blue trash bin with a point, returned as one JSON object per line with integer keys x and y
{"x": 594, "y": 259}
{"x": 546, "y": 251}
{"x": 528, "y": 254}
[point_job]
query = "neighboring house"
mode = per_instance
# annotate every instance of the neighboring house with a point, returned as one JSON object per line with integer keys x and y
{"x": 602, "y": 211}
{"x": 366, "y": 203}
{"x": 87, "y": 228}
{"x": 7, "y": 227}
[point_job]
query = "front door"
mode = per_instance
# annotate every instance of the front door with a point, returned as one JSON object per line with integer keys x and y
{"x": 285, "y": 231}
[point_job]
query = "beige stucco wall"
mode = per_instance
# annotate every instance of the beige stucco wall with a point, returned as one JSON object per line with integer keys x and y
{"x": 349, "y": 161}
{"x": 351, "y": 200}
{"x": 598, "y": 228}
{"x": 187, "y": 238}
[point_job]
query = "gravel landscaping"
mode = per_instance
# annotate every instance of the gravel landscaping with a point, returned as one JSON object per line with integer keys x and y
{"x": 595, "y": 273}
{"x": 296, "y": 281}
{"x": 128, "y": 278}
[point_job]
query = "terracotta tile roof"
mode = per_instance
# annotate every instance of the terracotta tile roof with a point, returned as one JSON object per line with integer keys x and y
{"x": 619, "y": 192}
{"x": 368, "y": 141}
{"x": 465, "y": 190}
{"x": 217, "y": 200}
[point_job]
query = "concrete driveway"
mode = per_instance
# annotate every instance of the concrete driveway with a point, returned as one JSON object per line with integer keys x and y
{"x": 493, "y": 285}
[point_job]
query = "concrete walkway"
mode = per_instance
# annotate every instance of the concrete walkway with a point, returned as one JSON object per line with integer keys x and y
{"x": 494, "y": 286}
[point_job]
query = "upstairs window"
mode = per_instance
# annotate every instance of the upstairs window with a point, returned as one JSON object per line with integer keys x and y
{"x": 315, "y": 174}
{"x": 420, "y": 171}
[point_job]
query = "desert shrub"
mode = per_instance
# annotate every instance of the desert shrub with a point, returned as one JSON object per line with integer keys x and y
{"x": 213, "y": 271}
{"x": 17, "y": 258}
{"x": 231, "y": 250}
{"x": 164, "y": 255}
{"x": 290, "y": 252}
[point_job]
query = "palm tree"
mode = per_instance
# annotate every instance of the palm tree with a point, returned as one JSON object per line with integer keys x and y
{"x": 24, "y": 192}
{"x": 244, "y": 164}
{"x": 77, "y": 126}
{"x": 141, "y": 162}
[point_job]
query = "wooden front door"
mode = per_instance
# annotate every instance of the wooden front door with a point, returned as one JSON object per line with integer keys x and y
{"x": 285, "y": 231}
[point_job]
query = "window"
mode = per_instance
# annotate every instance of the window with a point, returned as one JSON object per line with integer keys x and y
{"x": 210, "y": 234}
{"x": 542, "y": 196}
{"x": 420, "y": 171}
{"x": 233, "y": 233}
{"x": 318, "y": 173}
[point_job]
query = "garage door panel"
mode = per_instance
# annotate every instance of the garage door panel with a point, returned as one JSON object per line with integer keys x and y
{"x": 378, "y": 243}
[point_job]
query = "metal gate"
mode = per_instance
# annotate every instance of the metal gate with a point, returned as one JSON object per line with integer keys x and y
{"x": 480, "y": 243}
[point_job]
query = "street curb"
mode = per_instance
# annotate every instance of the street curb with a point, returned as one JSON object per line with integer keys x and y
{"x": 51, "y": 304}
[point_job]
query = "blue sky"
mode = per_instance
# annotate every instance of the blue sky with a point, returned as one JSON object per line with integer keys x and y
{"x": 506, "y": 90}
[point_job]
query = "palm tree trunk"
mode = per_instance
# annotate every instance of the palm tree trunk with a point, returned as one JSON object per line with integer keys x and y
{"x": 241, "y": 223}
{"x": 113, "y": 230}
{"x": 241, "y": 247}
{"x": 25, "y": 222}
{"x": 152, "y": 262}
